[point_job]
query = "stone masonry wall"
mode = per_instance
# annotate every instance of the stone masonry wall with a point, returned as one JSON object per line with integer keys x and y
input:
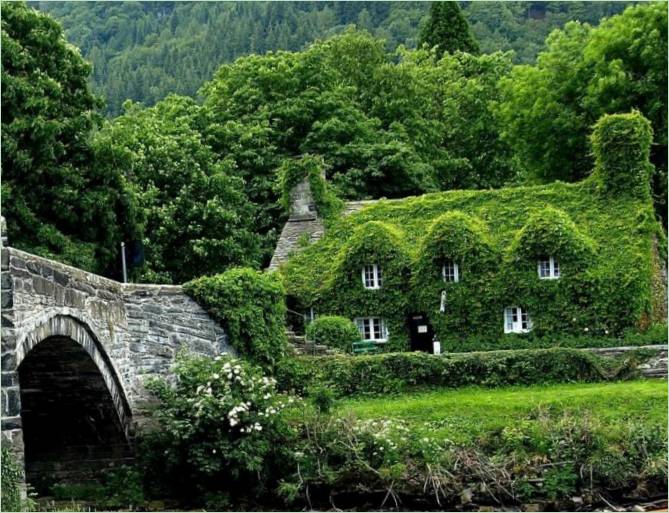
{"x": 130, "y": 331}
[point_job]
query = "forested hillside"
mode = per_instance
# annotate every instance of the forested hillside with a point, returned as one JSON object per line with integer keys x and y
{"x": 145, "y": 50}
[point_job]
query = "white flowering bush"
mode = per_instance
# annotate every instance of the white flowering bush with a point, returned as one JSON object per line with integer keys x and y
{"x": 221, "y": 421}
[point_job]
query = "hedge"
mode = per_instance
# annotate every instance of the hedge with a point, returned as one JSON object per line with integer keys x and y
{"x": 398, "y": 372}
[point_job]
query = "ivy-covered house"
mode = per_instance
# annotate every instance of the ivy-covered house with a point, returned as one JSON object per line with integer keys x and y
{"x": 586, "y": 258}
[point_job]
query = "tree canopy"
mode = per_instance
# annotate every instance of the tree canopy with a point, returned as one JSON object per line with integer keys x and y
{"x": 547, "y": 110}
{"x": 57, "y": 201}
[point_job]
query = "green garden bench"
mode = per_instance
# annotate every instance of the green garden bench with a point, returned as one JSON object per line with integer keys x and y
{"x": 365, "y": 347}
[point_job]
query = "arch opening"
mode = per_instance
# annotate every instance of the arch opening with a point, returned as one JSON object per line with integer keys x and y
{"x": 71, "y": 427}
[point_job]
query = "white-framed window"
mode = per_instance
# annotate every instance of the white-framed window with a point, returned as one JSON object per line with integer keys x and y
{"x": 373, "y": 329}
{"x": 450, "y": 271}
{"x": 548, "y": 268}
{"x": 371, "y": 277}
{"x": 516, "y": 320}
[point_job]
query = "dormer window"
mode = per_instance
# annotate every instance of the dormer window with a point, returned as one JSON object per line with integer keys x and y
{"x": 516, "y": 320}
{"x": 548, "y": 268}
{"x": 450, "y": 272}
{"x": 371, "y": 277}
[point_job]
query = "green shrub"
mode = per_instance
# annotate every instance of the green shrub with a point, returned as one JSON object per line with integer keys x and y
{"x": 398, "y": 372}
{"x": 222, "y": 422}
{"x": 11, "y": 481}
{"x": 333, "y": 331}
{"x": 250, "y": 305}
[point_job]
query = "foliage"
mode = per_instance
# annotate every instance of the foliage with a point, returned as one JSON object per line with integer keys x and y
{"x": 465, "y": 241}
{"x": 121, "y": 488}
{"x": 547, "y": 109}
{"x": 536, "y": 454}
{"x": 448, "y": 30}
{"x": 222, "y": 422}
{"x": 398, "y": 372}
{"x": 621, "y": 145}
{"x": 145, "y": 51}
{"x": 12, "y": 476}
{"x": 605, "y": 250}
{"x": 191, "y": 199}
{"x": 656, "y": 334}
{"x": 345, "y": 294}
{"x": 250, "y": 305}
{"x": 310, "y": 167}
{"x": 57, "y": 202}
{"x": 333, "y": 331}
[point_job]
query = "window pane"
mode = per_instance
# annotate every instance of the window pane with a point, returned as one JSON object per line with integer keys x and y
{"x": 544, "y": 269}
{"x": 377, "y": 329}
{"x": 556, "y": 268}
{"x": 379, "y": 279}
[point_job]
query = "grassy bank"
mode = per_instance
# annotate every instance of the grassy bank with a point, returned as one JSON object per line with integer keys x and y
{"x": 464, "y": 415}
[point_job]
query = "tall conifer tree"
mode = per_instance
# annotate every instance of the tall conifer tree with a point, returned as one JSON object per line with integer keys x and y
{"x": 448, "y": 30}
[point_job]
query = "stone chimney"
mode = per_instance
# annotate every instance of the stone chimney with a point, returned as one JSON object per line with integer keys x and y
{"x": 302, "y": 204}
{"x": 303, "y": 225}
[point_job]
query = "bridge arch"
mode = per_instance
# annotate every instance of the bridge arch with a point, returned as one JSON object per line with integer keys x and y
{"x": 74, "y": 412}
{"x": 68, "y": 326}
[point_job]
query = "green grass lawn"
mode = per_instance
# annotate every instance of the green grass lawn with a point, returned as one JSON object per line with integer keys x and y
{"x": 466, "y": 413}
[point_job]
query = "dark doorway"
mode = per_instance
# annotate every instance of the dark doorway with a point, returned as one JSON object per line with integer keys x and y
{"x": 421, "y": 332}
{"x": 71, "y": 430}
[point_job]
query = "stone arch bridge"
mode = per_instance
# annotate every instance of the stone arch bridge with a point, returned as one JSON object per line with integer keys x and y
{"x": 77, "y": 349}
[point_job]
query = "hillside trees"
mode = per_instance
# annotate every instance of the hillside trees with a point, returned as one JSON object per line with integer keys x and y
{"x": 145, "y": 50}
{"x": 198, "y": 220}
{"x": 386, "y": 125}
{"x": 448, "y": 30}
{"x": 547, "y": 109}
{"x": 58, "y": 203}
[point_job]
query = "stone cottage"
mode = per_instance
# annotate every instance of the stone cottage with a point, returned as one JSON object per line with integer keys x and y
{"x": 583, "y": 259}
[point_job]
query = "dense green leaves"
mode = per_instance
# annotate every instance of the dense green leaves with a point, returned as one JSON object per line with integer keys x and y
{"x": 57, "y": 202}
{"x": 548, "y": 109}
{"x": 191, "y": 199}
{"x": 250, "y": 305}
{"x": 448, "y": 30}
{"x": 400, "y": 372}
{"x": 333, "y": 331}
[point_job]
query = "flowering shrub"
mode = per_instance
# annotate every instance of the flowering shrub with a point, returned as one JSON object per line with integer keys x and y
{"x": 222, "y": 420}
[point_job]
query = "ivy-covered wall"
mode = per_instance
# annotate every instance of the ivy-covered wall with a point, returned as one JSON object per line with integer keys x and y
{"x": 602, "y": 231}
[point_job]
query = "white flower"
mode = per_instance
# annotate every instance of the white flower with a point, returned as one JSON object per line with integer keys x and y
{"x": 215, "y": 376}
{"x": 213, "y": 451}
{"x": 586, "y": 329}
